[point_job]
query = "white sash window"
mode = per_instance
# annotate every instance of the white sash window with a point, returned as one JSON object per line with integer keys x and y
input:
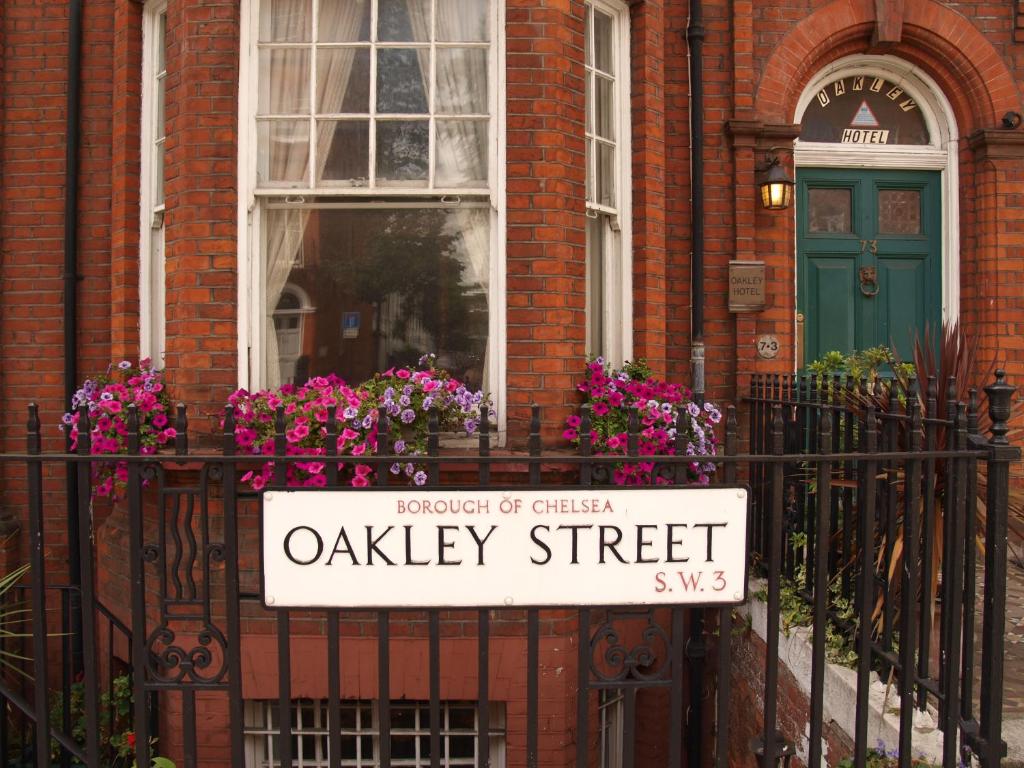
{"x": 152, "y": 277}
{"x": 609, "y": 285}
{"x": 371, "y": 163}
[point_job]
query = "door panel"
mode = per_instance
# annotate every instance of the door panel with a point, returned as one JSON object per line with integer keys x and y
{"x": 869, "y": 258}
{"x": 901, "y": 303}
{"x": 836, "y": 327}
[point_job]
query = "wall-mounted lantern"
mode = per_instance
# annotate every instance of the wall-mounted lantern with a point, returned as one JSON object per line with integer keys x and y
{"x": 777, "y": 187}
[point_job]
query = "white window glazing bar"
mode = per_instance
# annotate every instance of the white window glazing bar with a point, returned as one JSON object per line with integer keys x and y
{"x": 374, "y": 19}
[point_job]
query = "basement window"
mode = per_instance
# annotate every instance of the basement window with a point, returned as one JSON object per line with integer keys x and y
{"x": 360, "y": 734}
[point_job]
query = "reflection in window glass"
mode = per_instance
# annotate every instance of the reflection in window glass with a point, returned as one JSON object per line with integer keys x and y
{"x": 899, "y": 211}
{"x": 829, "y": 210}
{"x": 384, "y": 287}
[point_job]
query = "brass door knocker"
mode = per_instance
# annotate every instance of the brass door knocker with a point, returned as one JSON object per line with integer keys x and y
{"x": 869, "y": 281}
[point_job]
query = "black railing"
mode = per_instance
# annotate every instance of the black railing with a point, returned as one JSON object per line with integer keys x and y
{"x": 829, "y": 473}
{"x": 870, "y": 483}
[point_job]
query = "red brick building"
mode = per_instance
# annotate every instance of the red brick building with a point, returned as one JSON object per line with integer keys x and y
{"x": 273, "y": 188}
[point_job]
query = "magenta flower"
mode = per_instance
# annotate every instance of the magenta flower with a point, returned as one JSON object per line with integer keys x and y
{"x": 615, "y": 394}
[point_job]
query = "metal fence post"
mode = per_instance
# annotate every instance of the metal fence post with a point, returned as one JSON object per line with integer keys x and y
{"x": 37, "y": 558}
{"x": 1001, "y": 453}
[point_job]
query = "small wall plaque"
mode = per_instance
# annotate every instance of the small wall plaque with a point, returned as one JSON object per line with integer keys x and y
{"x": 746, "y": 286}
{"x": 767, "y": 346}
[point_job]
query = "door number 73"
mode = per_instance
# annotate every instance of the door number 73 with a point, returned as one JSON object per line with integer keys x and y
{"x": 869, "y": 245}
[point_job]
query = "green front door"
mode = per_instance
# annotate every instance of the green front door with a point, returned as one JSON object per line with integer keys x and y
{"x": 869, "y": 247}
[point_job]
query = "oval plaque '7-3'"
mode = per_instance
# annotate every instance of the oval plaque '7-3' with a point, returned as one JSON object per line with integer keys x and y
{"x": 767, "y": 346}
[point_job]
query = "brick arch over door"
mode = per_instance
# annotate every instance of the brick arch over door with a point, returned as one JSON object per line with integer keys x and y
{"x": 939, "y": 40}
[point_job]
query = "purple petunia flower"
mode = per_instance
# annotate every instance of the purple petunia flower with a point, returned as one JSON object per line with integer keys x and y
{"x": 408, "y": 416}
{"x": 420, "y": 478}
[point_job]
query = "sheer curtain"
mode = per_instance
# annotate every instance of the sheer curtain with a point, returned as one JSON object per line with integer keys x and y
{"x": 285, "y": 229}
{"x": 475, "y": 230}
{"x": 459, "y": 154}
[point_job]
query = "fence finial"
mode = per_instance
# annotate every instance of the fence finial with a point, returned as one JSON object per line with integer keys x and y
{"x": 34, "y": 442}
{"x": 84, "y": 431}
{"x": 778, "y": 431}
{"x": 228, "y": 437}
{"x": 133, "y": 429}
{"x": 972, "y": 411}
{"x": 999, "y": 395}
{"x": 633, "y": 433}
{"x": 181, "y": 430}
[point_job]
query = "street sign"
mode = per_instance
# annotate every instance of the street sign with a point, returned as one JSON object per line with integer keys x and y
{"x": 477, "y": 548}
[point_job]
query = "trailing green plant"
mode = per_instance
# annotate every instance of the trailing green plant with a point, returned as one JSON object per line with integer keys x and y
{"x": 117, "y": 737}
{"x": 796, "y": 611}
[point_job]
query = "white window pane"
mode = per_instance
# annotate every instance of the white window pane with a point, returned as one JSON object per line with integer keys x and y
{"x": 159, "y": 120}
{"x": 591, "y": 171}
{"x": 343, "y": 149}
{"x": 604, "y": 169}
{"x": 161, "y": 42}
{"x": 158, "y": 174}
{"x": 461, "y": 21}
{"x": 595, "y": 285}
{"x": 286, "y": 21}
{"x": 343, "y": 80}
{"x": 402, "y": 77}
{"x": 604, "y": 107}
{"x": 403, "y": 21}
{"x": 284, "y": 150}
{"x": 461, "y": 153}
{"x": 284, "y": 81}
{"x": 603, "y": 42}
{"x": 590, "y": 102}
{"x": 402, "y": 150}
{"x": 344, "y": 21}
{"x": 381, "y": 288}
{"x": 461, "y": 81}
{"x": 588, "y": 43}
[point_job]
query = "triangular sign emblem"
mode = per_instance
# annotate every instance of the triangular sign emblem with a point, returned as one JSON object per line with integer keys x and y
{"x": 864, "y": 117}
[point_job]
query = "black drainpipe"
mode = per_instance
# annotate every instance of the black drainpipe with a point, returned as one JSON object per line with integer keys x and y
{"x": 71, "y": 307}
{"x": 695, "y": 38}
{"x": 696, "y": 646}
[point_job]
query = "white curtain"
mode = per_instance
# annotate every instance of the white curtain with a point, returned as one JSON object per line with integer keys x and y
{"x": 474, "y": 227}
{"x": 461, "y": 155}
{"x": 285, "y": 229}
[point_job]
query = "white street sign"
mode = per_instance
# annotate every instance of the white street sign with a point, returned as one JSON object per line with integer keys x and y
{"x": 475, "y": 548}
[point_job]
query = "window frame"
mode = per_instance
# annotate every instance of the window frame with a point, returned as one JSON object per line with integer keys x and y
{"x": 251, "y": 314}
{"x": 152, "y": 261}
{"x": 617, "y": 257}
{"x": 257, "y": 716}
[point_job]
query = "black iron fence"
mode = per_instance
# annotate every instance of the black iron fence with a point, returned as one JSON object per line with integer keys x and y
{"x": 878, "y": 511}
{"x": 230, "y": 682}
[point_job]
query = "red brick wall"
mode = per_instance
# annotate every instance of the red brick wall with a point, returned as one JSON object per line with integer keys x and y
{"x": 746, "y": 720}
{"x": 125, "y": 168}
{"x": 201, "y": 190}
{"x": 32, "y": 164}
{"x": 545, "y": 208}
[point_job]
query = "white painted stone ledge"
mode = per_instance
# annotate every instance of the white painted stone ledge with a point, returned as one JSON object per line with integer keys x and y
{"x": 840, "y": 692}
